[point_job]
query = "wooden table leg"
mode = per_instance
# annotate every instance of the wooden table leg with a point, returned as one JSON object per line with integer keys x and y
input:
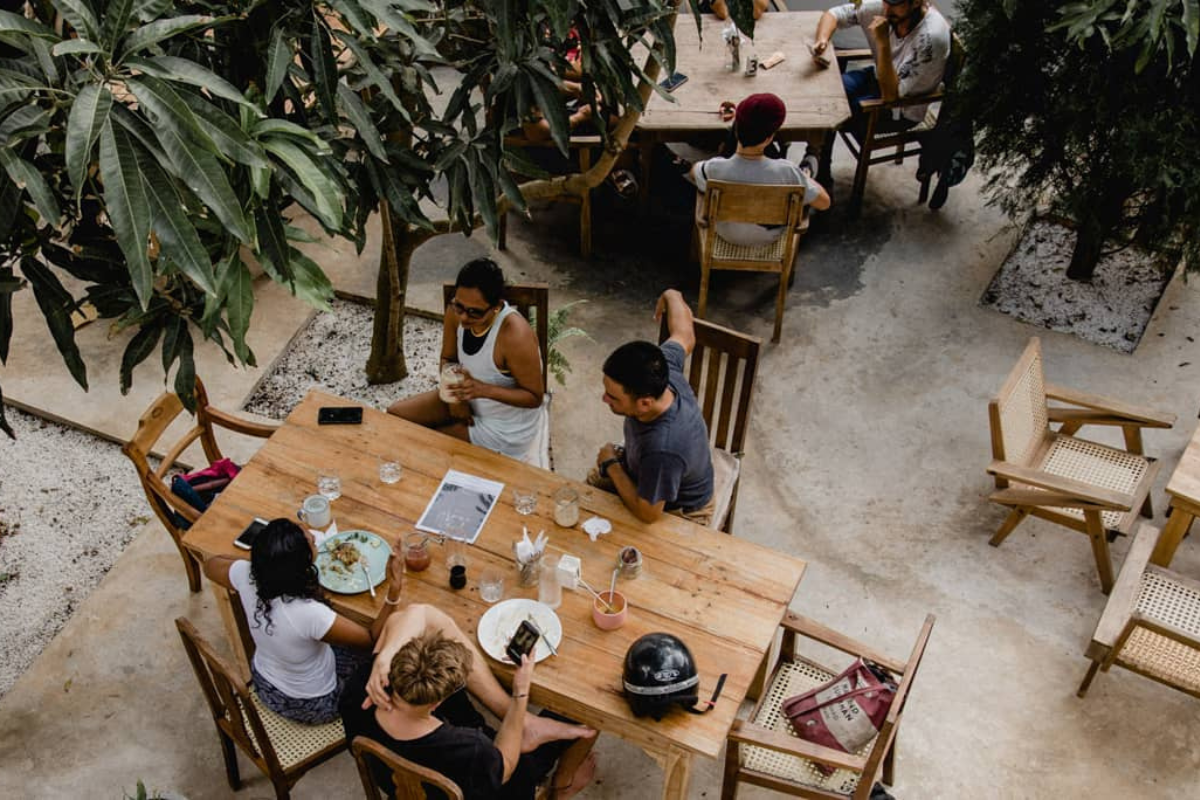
{"x": 645, "y": 156}
{"x": 677, "y": 773}
{"x": 224, "y": 605}
{"x": 1172, "y": 534}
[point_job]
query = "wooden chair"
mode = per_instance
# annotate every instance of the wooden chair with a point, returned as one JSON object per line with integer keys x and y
{"x": 863, "y": 135}
{"x": 533, "y": 301}
{"x": 410, "y": 779}
{"x": 581, "y": 148}
{"x": 1151, "y": 623}
{"x": 765, "y": 751}
{"x": 175, "y": 513}
{"x": 282, "y": 749}
{"x": 721, "y": 371}
{"x": 1088, "y": 487}
{"x": 752, "y": 203}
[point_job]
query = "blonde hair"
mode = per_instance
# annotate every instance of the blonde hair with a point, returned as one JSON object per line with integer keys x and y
{"x": 429, "y": 668}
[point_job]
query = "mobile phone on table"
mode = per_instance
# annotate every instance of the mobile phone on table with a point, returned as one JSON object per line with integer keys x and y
{"x": 246, "y": 538}
{"x": 674, "y": 82}
{"x": 522, "y": 642}
{"x": 339, "y": 415}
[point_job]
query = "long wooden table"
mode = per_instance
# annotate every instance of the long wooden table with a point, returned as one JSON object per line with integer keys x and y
{"x": 1184, "y": 492}
{"x": 816, "y": 102}
{"x": 723, "y": 596}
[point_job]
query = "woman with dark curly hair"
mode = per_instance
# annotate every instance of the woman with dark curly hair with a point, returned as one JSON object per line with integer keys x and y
{"x": 304, "y": 650}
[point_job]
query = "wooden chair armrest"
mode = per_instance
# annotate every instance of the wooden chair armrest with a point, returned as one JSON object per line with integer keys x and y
{"x": 1126, "y": 412}
{"x": 756, "y": 735}
{"x": 811, "y": 629}
{"x": 239, "y": 425}
{"x": 874, "y": 104}
{"x": 1084, "y": 492}
{"x": 1124, "y": 595}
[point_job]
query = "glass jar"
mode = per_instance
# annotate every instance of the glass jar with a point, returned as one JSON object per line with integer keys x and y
{"x": 566, "y": 507}
{"x": 549, "y": 587}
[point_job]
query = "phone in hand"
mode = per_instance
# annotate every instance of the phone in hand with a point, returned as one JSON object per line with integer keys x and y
{"x": 339, "y": 415}
{"x": 522, "y": 642}
{"x": 245, "y": 539}
{"x": 674, "y": 82}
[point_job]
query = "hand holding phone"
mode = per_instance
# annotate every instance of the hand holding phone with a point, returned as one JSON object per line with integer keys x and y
{"x": 522, "y": 642}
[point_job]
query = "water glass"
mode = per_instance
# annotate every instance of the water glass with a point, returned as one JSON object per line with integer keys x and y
{"x": 524, "y": 501}
{"x": 329, "y": 485}
{"x": 491, "y": 585}
{"x": 549, "y": 587}
{"x": 456, "y": 553}
{"x": 390, "y": 471}
{"x": 566, "y": 507}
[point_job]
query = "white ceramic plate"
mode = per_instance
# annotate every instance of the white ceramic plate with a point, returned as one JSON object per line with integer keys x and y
{"x": 337, "y": 577}
{"x": 500, "y": 622}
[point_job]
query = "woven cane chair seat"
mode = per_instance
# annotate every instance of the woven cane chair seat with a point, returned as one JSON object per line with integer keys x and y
{"x": 1096, "y": 465}
{"x": 1170, "y": 601}
{"x": 1163, "y": 658}
{"x": 793, "y": 678}
{"x": 724, "y": 250}
{"x": 293, "y": 741}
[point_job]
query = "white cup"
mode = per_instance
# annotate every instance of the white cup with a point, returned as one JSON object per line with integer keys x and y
{"x": 315, "y": 512}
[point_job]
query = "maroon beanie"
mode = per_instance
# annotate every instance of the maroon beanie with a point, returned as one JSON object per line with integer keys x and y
{"x": 759, "y": 116}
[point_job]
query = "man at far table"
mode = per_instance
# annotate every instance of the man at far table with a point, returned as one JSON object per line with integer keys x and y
{"x": 665, "y": 464}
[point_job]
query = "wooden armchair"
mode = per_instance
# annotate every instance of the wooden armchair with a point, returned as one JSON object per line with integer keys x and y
{"x": 765, "y": 751}
{"x": 1085, "y": 486}
{"x": 581, "y": 148}
{"x": 282, "y": 749}
{"x": 409, "y": 779}
{"x": 721, "y": 371}
{"x": 175, "y": 513}
{"x": 1151, "y": 623}
{"x": 864, "y": 137}
{"x": 752, "y": 203}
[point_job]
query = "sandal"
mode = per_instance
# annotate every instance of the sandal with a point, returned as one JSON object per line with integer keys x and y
{"x": 623, "y": 183}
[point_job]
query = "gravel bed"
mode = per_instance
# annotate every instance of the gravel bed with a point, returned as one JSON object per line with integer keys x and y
{"x": 1112, "y": 310}
{"x": 331, "y": 351}
{"x": 69, "y": 504}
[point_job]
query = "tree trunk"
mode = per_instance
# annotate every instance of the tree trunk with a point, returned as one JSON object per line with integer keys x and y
{"x": 1094, "y": 229}
{"x": 386, "y": 363}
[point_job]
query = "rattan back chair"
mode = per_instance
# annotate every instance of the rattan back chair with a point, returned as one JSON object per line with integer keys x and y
{"x": 410, "y": 780}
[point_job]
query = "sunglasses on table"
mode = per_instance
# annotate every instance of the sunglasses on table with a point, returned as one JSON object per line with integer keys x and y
{"x": 468, "y": 311}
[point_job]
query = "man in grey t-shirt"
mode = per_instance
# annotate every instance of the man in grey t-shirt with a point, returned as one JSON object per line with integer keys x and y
{"x": 666, "y": 464}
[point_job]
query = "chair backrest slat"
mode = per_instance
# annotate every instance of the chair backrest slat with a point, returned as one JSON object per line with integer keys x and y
{"x": 533, "y": 301}
{"x": 409, "y": 778}
{"x": 750, "y": 202}
{"x": 1019, "y": 414}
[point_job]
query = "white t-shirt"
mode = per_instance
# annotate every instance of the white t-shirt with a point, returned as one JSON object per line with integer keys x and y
{"x": 919, "y": 58}
{"x": 292, "y": 656}
{"x": 769, "y": 171}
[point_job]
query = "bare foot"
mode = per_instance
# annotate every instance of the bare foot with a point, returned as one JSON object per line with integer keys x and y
{"x": 539, "y": 730}
{"x": 583, "y": 776}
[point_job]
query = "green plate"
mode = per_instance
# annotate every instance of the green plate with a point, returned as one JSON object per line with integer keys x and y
{"x": 336, "y": 577}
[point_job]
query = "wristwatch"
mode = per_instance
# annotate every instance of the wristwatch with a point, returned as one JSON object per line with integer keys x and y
{"x": 605, "y": 464}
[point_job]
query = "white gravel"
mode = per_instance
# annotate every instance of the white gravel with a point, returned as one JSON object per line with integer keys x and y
{"x": 1113, "y": 310}
{"x": 64, "y": 524}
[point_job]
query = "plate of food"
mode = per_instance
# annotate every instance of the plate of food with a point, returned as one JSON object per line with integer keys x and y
{"x": 500, "y": 622}
{"x": 342, "y": 557}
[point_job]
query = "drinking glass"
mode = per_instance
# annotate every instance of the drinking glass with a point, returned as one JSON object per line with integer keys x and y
{"x": 329, "y": 485}
{"x": 549, "y": 587}
{"x": 390, "y": 471}
{"x": 416, "y": 552}
{"x": 566, "y": 507}
{"x": 524, "y": 501}
{"x": 491, "y": 585}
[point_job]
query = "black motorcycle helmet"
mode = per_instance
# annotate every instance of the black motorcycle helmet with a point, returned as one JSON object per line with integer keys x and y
{"x": 660, "y": 673}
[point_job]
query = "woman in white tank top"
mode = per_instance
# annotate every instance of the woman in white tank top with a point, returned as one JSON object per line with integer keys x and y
{"x": 499, "y": 402}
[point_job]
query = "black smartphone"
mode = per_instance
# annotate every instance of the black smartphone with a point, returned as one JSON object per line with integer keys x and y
{"x": 522, "y": 642}
{"x": 339, "y": 415}
{"x": 246, "y": 538}
{"x": 674, "y": 82}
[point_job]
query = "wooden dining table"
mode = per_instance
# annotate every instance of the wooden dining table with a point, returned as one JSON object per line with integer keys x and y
{"x": 816, "y": 102}
{"x": 723, "y": 596}
{"x": 1183, "y": 490}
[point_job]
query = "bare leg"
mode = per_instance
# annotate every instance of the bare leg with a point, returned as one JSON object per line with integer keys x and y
{"x": 576, "y": 769}
{"x": 425, "y": 409}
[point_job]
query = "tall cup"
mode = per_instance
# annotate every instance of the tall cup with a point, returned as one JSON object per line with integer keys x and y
{"x": 314, "y": 512}
{"x": 451, "y": 376}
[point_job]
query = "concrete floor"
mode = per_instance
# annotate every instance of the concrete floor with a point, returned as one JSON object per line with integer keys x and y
{"x": 866, "y": 457}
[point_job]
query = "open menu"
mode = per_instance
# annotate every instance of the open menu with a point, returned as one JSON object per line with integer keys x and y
{"x": 460, "y": 506}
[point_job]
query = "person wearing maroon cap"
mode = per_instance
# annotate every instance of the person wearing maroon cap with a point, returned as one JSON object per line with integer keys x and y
{"x": 755, "y": 123}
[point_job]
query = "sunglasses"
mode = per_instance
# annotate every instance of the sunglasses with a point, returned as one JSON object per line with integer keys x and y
{"x": 468, "y": 311}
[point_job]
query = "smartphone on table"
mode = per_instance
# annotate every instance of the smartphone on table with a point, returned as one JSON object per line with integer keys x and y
{"x": 522, "y": 642}
{"x": 339, "y": 415}
{"x": 245, "y": 539}
{"x": 674, "y": 82}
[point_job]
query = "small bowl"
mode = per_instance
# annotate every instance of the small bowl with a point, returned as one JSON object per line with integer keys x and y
{"x": 604, "y": 620}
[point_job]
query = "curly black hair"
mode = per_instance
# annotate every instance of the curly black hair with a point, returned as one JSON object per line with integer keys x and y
{"x": 281, "y": 565}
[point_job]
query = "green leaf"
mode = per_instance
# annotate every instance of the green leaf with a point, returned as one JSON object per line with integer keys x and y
{"x": 311, "y": 284}
{"x": 325, "y": 192}
{"x": 10, "y": 195}
{"x": 169, "y": 110}
{"x": 273, "y": 248}
{"x": 4, "y": 426}
{"x": 56, "y": 305}
{"x": 280, "y": 55}
{"x": 9, "y": 284}
{"x": 355, "y": 15}
{"x": 147, "y": 10}
{"x": 360, "y": 117}
{"x": 281, "y": 127}
{"x": 184, "y": 71}
{"x": 202, "y": 173}
{"x": 75, "y": 47}
{"x": 89, "y": 112}
{"x": 157, "y": 31}
{"x": 324, "y": 68}
{"x": 225, "y": 131}
{"x": 173, "y": 330}
{"x": 178, "y": 237}
{"x": 185, "y": 376}
{"x": 27, "y": 177}
{"x": 375, "y": 75}
{"x": 138, "y": 350}
{"x": 82, "y": 18}
{"x": 238, "y": 289}
{"x": 127, "y": 206}
{"x": 117, "y": 16}
{"x": 551, "y": 105}
{"x": 1191, "y": 24}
